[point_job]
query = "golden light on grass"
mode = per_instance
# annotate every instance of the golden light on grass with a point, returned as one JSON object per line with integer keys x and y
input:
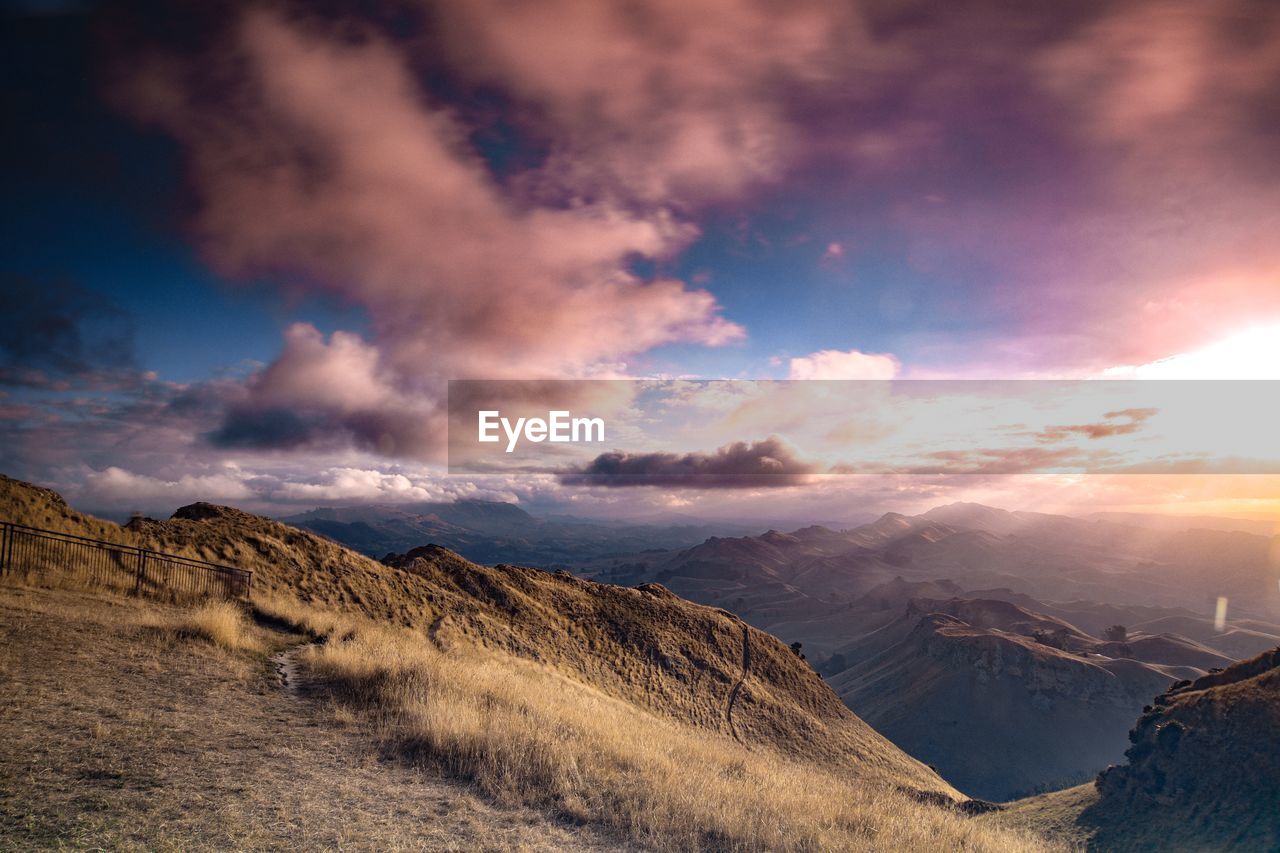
{"x": 525, "y": 734}
{"x": 222, "y": 623}
{"x": 1220, "y": 615}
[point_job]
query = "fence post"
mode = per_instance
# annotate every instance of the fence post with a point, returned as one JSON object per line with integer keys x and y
{"x": 4, "y": 548}
{"x": 142, "y": 571}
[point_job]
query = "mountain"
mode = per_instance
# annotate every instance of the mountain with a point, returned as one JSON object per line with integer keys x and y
{"x": 1244, "y": 638}
{"x": 494, "y": 532}
{"x": 1203, "y": 767}
{"x": 788, "y": 577}
{"x": 964, "y": 687}
{"x": 815, "y": 585}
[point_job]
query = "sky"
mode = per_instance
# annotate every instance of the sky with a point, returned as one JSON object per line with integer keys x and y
{"x": 247, "y": 244}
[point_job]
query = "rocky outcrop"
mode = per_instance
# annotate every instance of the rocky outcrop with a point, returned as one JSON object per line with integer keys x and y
{"x": 1205, "y": 755}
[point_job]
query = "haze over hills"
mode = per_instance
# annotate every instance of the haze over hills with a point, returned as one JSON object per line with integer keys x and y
{"x": 973, "y": 636}
{"x": 770, "y": 576}
{"x": 966, "y": 686}
{"x": 1049, "y": 558}
{"x": 1256, "y": 526}
{"x": 497, "y": 532}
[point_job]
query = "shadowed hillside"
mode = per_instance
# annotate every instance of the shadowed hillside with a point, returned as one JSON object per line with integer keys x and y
{"x": 963, "y": 686}
{"x": 1202, "y": 773}
{"x": 1204, "y": 767}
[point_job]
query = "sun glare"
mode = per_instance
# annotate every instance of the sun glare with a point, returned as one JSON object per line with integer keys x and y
{"x": 1252, "y": 353}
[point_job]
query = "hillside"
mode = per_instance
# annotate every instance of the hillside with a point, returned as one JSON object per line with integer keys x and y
{"x": 647, "y": 645}
{"x": 1203, "y": 766}
{"x": 961, "y": 686}
{"x": 1202, "y": 773}
{"x": 630, "y": 709}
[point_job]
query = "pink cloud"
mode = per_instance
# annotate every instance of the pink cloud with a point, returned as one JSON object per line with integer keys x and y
{"x": 665, "y": 100}
{"x": 329, "y": 168}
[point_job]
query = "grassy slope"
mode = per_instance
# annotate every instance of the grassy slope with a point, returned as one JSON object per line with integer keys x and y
{"x": 125, "y": 729}
{"x": 496, "y": 666}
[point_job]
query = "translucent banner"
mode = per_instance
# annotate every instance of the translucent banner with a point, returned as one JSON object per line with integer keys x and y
{"x": 710, "y": 433}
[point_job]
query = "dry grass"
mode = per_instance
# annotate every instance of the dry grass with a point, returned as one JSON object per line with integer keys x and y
{"x": 119, "y": 737}
{"x": 222, "y": 623}
{"x": 526, "y": 735}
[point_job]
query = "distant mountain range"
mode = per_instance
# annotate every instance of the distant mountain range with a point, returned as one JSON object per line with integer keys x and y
{"x": 494, "y": 532}
{"x": 974, "y": 637}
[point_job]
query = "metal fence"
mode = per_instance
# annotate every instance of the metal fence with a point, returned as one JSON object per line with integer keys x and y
{"x": 32, "y": 550}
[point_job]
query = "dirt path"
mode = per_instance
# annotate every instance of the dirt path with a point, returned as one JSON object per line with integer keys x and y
{"x": 737, "y": 688}
{"x": 289, "y": 669}
{"x": 118, "y": 736}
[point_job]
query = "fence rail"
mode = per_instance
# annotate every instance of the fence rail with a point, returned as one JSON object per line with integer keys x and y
{"x": 141, "y": 570}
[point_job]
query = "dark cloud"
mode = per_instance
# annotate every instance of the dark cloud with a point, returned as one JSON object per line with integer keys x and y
{"x": 760, "y": 464}
{"x": 261, "y": 430}
{"x": 58, "y": 335}
{"x": 387, "y": 433}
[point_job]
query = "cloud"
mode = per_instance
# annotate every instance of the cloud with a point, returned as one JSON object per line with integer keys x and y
{"x": 338, "y": 485}
{"x": 1250, "y": 354}
{"x": 115, "y": 484}
{"x": 264, "y": 429}
{"x": 327, "y": 166}
{"x": 663, "y": 102}
{"x": 835, "y": 364}
{"x": 1124, "y": 422}
{"x": 331, "y": 393}
{"x": 1147, "y": 71}
{"x": 1002, "y": 461}
{"x": 761, "y": 464}
{"x": 58, "y": 335}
